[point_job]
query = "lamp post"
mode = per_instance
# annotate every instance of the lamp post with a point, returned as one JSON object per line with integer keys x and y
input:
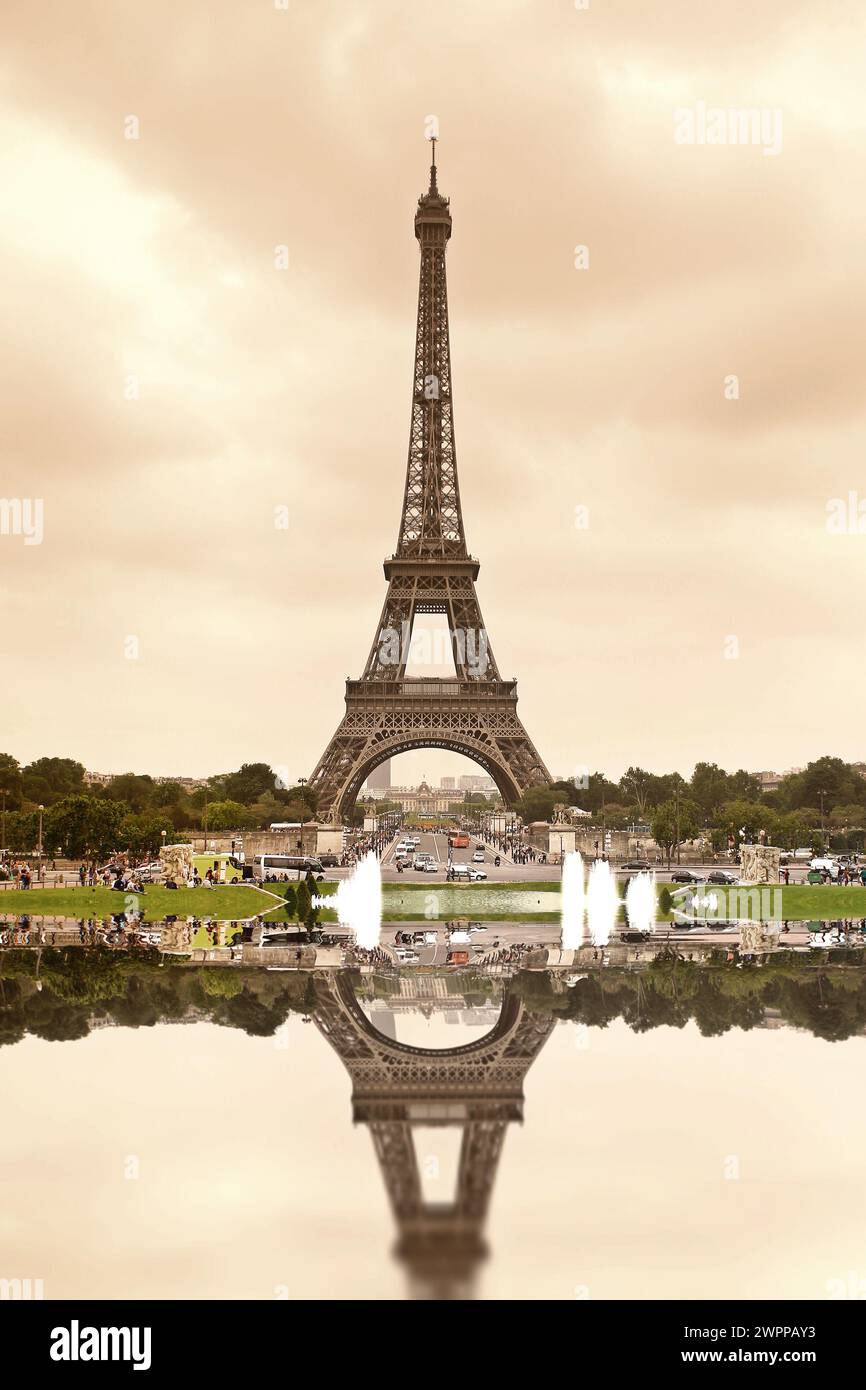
{"x": 41, "y": 809}
{"x": 3, "y": 833}
{"x": 822, "y": 794}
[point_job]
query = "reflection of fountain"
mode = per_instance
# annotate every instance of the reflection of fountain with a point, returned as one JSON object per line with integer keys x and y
{"x": 358, "y": 902}
{"x": 599, "y": 900}
{"x": 640, "y": 902}
{"x": 573, "y": 901}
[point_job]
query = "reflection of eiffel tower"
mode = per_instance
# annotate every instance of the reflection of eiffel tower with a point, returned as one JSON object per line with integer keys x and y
{"x": 477, "y": 1087}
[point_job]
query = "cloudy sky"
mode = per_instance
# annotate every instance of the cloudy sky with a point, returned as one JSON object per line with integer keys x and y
{"x": 164, "y": 387}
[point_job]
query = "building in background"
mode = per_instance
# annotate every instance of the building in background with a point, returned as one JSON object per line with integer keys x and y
{"x": 380, "y": 777}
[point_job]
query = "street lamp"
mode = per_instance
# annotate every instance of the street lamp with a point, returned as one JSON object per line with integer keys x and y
{"x": 3, "y": 834}
{"x": 41, "y": 809}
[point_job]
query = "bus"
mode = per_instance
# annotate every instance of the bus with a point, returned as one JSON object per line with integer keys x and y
{"x": 458, "y": 839}
{"x": 282, "y": 865}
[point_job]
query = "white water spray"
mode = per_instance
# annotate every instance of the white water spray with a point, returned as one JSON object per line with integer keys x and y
{"x": 602, "y": 902}
{"x": 358, "y": 902}
{"x": 573, "y": 901}
{"x": 640, "y": 902}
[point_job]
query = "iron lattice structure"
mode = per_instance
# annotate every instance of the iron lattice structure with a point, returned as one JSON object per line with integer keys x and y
{"x": 431, "y": 571}
{"x": 477, "y": 1088}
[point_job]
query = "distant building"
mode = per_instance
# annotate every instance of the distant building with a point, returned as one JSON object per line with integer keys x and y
{"x": 469, "y": 782}
{"x": 98, "y": 779}
{"x": 448, "y": 783}
{"x": 422, "y": 800}
{"x": 380, "y": 776}
{"x": 771, "y": 781}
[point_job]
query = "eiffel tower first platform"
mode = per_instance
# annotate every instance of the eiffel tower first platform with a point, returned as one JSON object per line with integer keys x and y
{"x": 431, "y": 571}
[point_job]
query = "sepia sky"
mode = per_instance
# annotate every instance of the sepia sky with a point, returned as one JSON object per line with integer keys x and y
{"x": 705, "y": 611}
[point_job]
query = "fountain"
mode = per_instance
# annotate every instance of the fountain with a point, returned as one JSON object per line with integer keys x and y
{"x": 602, "y": 902}
{"x": 640, "y": 902}
{"x": 573, "y": 901}
{"x": 358, "y": 902}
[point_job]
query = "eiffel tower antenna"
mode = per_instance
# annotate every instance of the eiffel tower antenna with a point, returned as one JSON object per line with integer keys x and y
{"x": 431, "y": 571}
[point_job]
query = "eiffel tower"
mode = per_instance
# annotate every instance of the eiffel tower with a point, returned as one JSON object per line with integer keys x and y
{"x": 477, "y": 1087}
{"x": 431, "y": 571}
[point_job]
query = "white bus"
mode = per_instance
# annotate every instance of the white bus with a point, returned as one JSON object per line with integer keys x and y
{"x": 287, "y": 865}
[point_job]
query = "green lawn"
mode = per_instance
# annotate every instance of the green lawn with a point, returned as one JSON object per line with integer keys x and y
{"x": 225, "y": 903}
{"x": 485, "y": 902}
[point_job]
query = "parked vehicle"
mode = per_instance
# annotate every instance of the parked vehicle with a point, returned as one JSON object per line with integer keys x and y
{"x": 802, "y": 854}
{"x": 822, "y": 864}
{"x": 722, "y": 876}
{"x": 685, "y": 876}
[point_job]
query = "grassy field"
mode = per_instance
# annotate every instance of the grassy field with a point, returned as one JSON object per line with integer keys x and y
{"x": 485, "y": 902}
{"x": 224, "y": 903}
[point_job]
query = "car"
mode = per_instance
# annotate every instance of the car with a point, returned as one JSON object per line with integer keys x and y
{"x": 634, "y": 937}
{"x": 476, "y": 875}
{"x": 723, "y": 876}
{"x": 822, "y": 864}
{"x": 429, "y": 866}
{"x": 685, "y": 876}
{"x": 478, "y": 857}
{"x": 802, "y": 854}
{"x": 640, "y": 866}
{"x": 416, "y": 839}
{"x": 403, "y": 861}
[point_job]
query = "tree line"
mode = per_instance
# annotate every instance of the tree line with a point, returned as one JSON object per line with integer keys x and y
{"x": 827, "y": 798}
{"x": 133, "y": 809}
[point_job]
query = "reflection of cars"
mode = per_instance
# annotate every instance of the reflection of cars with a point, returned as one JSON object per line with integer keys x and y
{"x": 723, "y": 876}
{"x": 684, "y": 876}
{"x": 634, "y": 936}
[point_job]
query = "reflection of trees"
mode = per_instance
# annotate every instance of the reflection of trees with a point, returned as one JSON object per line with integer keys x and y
{"x": 829, "y": 1002}
{"x": 82, "y": 988}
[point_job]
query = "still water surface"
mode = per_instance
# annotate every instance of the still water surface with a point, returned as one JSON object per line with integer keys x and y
{"x": 201, "y": 1159}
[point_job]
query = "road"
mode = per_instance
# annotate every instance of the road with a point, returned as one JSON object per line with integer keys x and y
{"x": 533, "y": 872}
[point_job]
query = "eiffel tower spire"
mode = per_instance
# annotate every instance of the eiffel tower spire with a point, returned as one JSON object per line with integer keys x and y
{"x": 431, "y": 571}
{"x": 431, "y": 524}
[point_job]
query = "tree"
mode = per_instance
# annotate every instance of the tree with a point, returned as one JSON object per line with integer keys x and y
{"x": 251, "y": 782}
{"x": 303, "y": 904}
{"x": 48, "y": 780}
{"x": 709, "y": 788}
{"x": 636, "y": 786}
{"x": 672, "y": 823}
{"x": 827, "y": 780}
{"x": 11, "y": 781}
{"x": 135, "y": 790}
{"x": 227, "y": 815}
{"x": 291, "y": 899}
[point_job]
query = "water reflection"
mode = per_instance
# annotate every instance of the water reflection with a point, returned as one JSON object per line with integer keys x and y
{"x": 414, "y": 1073}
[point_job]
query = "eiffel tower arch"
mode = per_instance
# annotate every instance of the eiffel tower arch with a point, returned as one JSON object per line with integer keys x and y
{"x": 477, "y": 1088}
{"x": 431, "y": 571}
